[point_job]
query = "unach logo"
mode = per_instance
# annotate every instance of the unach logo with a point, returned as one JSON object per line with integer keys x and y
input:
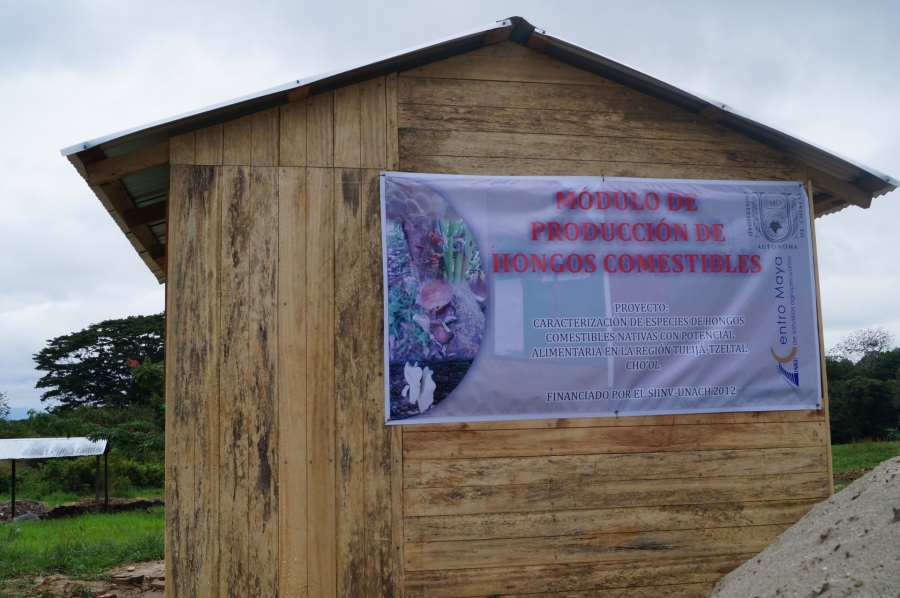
{"x": 776, "y": 221}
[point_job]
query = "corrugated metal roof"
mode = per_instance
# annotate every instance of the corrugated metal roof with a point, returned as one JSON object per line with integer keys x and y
{"x": 149, "y": 186}
{"x": 47, "y": 448}
{"x": 520, "y": 31}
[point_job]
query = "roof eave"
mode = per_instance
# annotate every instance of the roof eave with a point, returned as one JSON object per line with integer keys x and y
{"x": 275, "y": 96}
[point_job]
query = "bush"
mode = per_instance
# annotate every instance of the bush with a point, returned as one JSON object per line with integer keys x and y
{"x": 76, "y": 476}
{"x": 864, "y": 397}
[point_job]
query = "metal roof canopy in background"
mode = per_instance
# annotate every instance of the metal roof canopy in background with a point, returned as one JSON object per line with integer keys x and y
{"x": 50, "y": 448}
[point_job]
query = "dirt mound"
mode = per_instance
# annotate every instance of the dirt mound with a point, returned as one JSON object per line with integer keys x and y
{"x": 116, "y": 505}
{"x": 85, "y": 505}
{"x": 848, "y": 545}
{"x": 23, "y": 505}
{"x": 850, "y": 476}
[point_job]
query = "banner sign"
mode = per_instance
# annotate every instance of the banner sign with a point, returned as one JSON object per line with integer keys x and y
{"x": 540, "y": 297}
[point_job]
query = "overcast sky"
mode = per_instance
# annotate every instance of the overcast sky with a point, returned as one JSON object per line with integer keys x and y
{"x": 828, "y": 72}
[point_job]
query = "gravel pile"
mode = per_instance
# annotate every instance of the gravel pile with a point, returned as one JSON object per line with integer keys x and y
{"x": 848, "y": 545}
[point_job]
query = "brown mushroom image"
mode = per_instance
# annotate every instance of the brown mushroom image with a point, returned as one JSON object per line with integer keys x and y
{"x": 436, "y": 291}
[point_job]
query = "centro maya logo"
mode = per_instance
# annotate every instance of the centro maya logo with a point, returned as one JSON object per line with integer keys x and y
{"x": 788, "y": 365}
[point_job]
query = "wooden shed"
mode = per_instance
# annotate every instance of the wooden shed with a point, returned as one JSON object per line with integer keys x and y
{"x": 262, "y": 215}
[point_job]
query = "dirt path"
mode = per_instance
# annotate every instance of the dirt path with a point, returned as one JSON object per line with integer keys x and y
{"x": 144, "y": 580}
{"x": 848, "y": 545}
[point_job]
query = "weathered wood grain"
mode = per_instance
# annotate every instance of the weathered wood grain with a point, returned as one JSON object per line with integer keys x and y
{"x": 194, "y": 379}
{"x": 262, "y": 409}
{"x": 320, "y": 382}
{"x": 292, "y": 141}
{"x": 399, "y": 560}
{"x": 687, "y": 419}
{"x": 559, "y": 122}
{"x": 379, "y": 573}
{"x": 180, "y": 489}
{"x": 420, "y": 502}
{"x": 583, "y": 548}
{"x": 373, "y": 123}
{"x": 593, "y": 522}
{"x": 422, "y": 142}
{"x": 694, "y": 590}
{"x": 391, "y": 101}
{"x": 507, "y": 61}
{"x": 140, "y": 160}
{"x": 208, "y": 146}
{"x": 822, "y": 365}
{"x": 181, "y": 149}
{"x": 264, "y": 138}
{"x": 562, "y": 167}
{"x": 637, "y": 576}
{"x": 320, "y": 129}
{"x": 292, "y": 394}
{"x": 582, "y": 441}
{"x": 235, "y": 377}
{"x": 350, "y": 383}
{"x": 532, "y": 96}
{"x": 346, "y": 127}
{"x": 586, "y": 468}
{"x": 207, "y": 186}
{"x": 237, "y": 141}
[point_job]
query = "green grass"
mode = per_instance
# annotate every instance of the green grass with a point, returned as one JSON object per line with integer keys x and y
{"x": 862, "y": 455}
{"x": 55, "y": 499}
{"x": 82, "y": 546}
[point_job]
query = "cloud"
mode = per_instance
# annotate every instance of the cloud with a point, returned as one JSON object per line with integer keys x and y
{"x": 75, "y": 71}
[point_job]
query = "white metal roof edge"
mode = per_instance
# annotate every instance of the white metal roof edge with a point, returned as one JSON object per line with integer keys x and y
{"x": 729, "y": 109}
{"x": 791, "y": 142}
{"x": 80, "y": 147}
{"x": 76, "y": 446}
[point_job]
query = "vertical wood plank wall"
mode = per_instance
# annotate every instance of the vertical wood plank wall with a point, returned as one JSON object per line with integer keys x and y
{"x": 279, "y": 464}
{"x": 281, "y": 477}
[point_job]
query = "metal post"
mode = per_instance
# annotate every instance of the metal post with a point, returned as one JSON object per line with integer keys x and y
{"x": 13, "y": 516}
{"x": 97, "y": 485}
{"x": 106, "y": 480}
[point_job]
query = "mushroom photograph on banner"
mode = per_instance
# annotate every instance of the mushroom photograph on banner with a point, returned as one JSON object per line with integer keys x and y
{"x": 436, "y": 297}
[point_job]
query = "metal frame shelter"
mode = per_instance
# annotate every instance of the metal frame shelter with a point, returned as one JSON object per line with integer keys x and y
{"x": 52, "y": 448}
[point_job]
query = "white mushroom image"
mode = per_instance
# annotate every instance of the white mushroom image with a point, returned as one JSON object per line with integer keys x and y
{"x": 419, "y": 387}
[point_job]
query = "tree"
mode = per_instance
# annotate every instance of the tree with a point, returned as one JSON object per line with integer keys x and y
{"x": 90, "y": 367}
{"x": 863, "y": 386}
{"x": 144, "y": 432}
{"x": 863, "y": 346}
{"x": 4, "y": 406}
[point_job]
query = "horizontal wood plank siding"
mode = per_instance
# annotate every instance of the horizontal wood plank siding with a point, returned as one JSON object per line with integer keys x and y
{"x": 625, "y": 578}
{"x": 282, "y": 478}
{"x": 642, "y": 506}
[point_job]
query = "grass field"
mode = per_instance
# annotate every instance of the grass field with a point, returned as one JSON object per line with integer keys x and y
{"x": 862, "y": 455}
{"x": 859, "y": 456}
{"x": 82, "y": 546}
